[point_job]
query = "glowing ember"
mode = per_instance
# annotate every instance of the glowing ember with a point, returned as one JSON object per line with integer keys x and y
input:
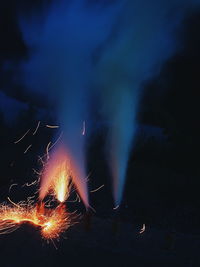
{"x": 51, "y": 221}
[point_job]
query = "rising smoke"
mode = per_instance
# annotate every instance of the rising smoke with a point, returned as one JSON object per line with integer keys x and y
{"x": 131, "y": 40}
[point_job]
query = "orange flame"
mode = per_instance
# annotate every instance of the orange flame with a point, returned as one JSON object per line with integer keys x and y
{"x": 56, "y": 177}
{"x": 58, "y": 173}
{"x": 61, "y": 182}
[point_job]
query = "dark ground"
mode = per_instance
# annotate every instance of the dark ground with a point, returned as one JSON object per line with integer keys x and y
{"x": 172, "y": 236}
{"x": 161, "y": 191}
{"x": 101, "y": 246}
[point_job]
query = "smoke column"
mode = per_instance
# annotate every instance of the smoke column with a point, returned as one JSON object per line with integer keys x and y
{"x": 132, "y": 38}
{"x": 62, "y": 42}
{"x": 144, "y": 40}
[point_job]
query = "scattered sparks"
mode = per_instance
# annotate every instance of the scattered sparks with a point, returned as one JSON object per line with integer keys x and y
{"x": 38, "y": 125}
{"x": 52, "y": 222}
{"x": 143, "y": 229}
{"x": 58, "y": 221}
{"x": 27, "y": 149}
{"x": 22, "y": 137}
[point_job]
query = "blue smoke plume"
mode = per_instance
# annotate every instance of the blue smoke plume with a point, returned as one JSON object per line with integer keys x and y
{"x": 60, "y": 67}
{"x": 144, "y": 40}
{"x": 133, "y": 37}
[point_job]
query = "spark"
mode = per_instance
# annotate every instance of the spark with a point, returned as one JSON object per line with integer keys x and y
{"x": 143, "y": 229}
{"x": 12, "y": 202}
{"x": 30, "y": 198}
{"x": 52, "y": 126}
{"x": 97, "y": 189}
{"x": 73, "y": 201}
{"x": 41, "y": 159}
{"x": 27, "y": 149}
{"x": 79, "y": 199}
{"x": 54, "y": 244}
{"x": 22, "y": 137}
{"x": 11, "y": 187}
{"x": 35, "y": 171}
{"x": 38, "y": 125}
{"x": 115, "y": 208}
{"x": 47, "y": 150}
{"x": 84, "y": 128}
{"x": 28, "y": 185}
{"x": 56, "y": 141}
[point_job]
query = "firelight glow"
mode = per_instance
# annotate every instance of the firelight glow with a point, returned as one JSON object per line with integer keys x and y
{"x": 56, "y": 180}
{"x": 51, "y": 221}
{"x": 59, "y": 172}
{"x": 56, "y": 177}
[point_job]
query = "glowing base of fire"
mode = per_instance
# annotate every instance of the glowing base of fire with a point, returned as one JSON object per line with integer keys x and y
{"x": 51, "y": 221}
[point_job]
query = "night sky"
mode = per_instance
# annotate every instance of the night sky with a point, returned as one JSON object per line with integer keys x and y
{"x": 150, "y": 63}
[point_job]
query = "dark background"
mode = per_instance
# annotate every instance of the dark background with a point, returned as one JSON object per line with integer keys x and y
{"x": 162, "y": 187}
